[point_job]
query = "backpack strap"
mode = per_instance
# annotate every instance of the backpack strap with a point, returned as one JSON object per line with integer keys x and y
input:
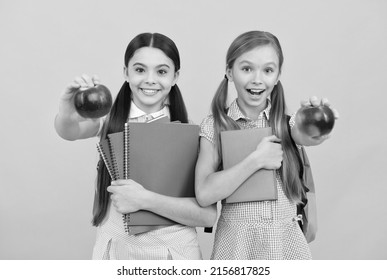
{"x": 208, "y": 229}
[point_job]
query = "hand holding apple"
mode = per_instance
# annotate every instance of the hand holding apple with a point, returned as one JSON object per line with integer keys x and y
{"x": 315, "y": 121}
{"x": 93, "y": 102}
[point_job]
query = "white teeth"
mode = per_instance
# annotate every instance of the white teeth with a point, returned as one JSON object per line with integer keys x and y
{"x": 149, "y": 91}
{"x": 256, "y": 91}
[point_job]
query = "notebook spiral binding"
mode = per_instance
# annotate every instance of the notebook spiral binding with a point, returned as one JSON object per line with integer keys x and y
{"x": 126, "y": 217}
{"x": 114, "y": 162}
{"x": 126, "y": 151}
{"x": 103, "y": 156}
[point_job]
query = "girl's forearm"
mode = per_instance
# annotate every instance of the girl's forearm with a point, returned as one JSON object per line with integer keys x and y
{"x": 220, "y": 185}
{"x": 66, "y": 128}
{"x": 183, "y": 210}
{"x": 71, "y": 130}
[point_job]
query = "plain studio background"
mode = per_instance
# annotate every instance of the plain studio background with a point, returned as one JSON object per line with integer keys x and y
{"x": 335, "y": 49}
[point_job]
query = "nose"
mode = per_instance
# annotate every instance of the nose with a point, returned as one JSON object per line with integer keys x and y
{"x": 257, "y": 79}
{"x": 150, "y": 78}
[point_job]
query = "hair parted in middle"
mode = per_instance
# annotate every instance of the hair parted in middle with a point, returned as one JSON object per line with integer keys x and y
{"x": 121, "y": 107}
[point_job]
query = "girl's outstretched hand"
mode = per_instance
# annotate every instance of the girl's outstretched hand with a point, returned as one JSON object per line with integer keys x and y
{"x": 313, "y": 139}
{"x": 127, "y": 196}
{"x": 66, "y": 102}
{"x": 269, "y": 152}
{"x": 315, "y": 102}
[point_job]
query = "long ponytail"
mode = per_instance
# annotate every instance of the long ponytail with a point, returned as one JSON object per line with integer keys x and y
{"x": 222, "y": 121}
{"x": 115, "y": 123}
{"x": 291, "y": 169}
{"x": 177, "y": 107}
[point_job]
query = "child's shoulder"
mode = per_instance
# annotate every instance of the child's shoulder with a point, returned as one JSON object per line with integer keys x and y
{"x": 207, "y": 128}
{"x": 207, "y": 122}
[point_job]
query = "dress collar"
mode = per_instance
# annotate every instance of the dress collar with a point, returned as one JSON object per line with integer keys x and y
{"x": 235, "y": 112}
{"x": 136, "y": 112}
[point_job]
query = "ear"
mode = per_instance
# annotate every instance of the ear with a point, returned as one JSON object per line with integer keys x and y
{"x": 278, "y": 79}
{"x": 229, "y": 74}
{"x": 176, "y": 78}
{"x": 126, "y": 74}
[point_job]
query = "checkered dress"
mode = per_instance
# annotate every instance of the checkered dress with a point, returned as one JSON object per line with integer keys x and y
{"x": 178, "y": 242}
{"x": 257, "y": 230}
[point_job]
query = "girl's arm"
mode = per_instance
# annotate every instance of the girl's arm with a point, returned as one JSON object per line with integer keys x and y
{"x": 128, "y": 196}
{"x": 68, "y": 123}
{"x": 297, "y": 133}
{"x": 212, "y": 186}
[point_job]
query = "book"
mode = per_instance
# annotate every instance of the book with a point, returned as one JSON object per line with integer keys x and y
{"x": 162, "y": 158}
{"x": 159, "y": 119}
{"x": 236, "y": 146}
{"x": 104, "y": 151}
{"x": 112, "y": 151}
{"x": 116, "y": 146}
{"x": 159, "y": 155}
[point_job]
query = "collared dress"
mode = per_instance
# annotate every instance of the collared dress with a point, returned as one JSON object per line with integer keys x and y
{"x": 256, "y": 230}
{"x": 170, "y": 242}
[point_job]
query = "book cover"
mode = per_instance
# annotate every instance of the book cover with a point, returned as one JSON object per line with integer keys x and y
{"x": 116, "y": 145}
{"x": 104, "y": 151}
{"x": 236, "y": 146}
{"x": 162, "y": 158}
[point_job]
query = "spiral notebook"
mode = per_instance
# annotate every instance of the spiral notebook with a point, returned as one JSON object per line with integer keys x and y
{"x": 160, "y": 156}
{"x": 104, "y": 151}
{"x": 236, "y": 146}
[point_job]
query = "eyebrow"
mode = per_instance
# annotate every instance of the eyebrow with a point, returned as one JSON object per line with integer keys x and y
{"x": 249, "y": 62}
{"x": 158, "y": 66}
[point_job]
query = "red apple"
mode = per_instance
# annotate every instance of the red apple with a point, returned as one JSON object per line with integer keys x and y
{"x": 316, "y": 121}
{"x": 93, "y": 102}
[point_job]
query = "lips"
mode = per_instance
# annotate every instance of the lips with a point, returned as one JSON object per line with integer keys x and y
{"x": 255, "y": 91}
{"x": 149, "y": 91}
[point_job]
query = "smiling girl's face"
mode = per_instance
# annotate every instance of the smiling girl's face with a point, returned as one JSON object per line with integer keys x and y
{"x": 255, "y": 73}
{"x": 150, "y": 74}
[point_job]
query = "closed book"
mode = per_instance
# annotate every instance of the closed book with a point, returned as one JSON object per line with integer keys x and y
{"x": 103, "y": 148}
{"x": 236, "y": 146}
{"x": 116, "y": 144}
{"x": 162, "y": 158}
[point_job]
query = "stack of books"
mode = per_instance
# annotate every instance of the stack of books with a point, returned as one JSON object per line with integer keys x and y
{"x": 161, "y": 156}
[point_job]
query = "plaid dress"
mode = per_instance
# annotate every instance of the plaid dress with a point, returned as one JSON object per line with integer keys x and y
{"x": 178, "y": 242}
{"x": 257, "y": 230}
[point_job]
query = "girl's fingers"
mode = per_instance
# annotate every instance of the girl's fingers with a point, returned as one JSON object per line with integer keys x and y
{"x": 314, "y": 101}
{"x": 80, "y": 81}
{"x": 74, "y": 85}
{"x": 121, "y": 182}
{"x": 325, "y": 137}
{"x": 305, "y": 103}
{"x": 325, "y": 101}
{"x": 96, "y": 80}
{"x": 71, "y": 88}
{"x": 335, "y": 113}
{"x": 88, "y": 80}
{"x": 273, "y": 138}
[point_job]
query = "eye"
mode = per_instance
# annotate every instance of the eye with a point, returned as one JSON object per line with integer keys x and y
{"x": 139, "y": 69}
{"x": 246, "y": 69}
{"x": 269, "y": 70}
{"x": 162, "y": 72}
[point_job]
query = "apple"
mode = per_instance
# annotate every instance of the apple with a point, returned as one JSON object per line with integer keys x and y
{"x": 315, "y": 121}
{"x": 93, "y": 102}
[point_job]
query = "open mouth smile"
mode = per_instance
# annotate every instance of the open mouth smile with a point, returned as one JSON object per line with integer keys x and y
{"x": 255, "y": 91}
{"x": 149, "y": 91}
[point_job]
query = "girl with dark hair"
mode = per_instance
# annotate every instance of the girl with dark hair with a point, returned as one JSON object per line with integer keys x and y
{"x": 259, "y": 229}
{"x": 151, "y": 70}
